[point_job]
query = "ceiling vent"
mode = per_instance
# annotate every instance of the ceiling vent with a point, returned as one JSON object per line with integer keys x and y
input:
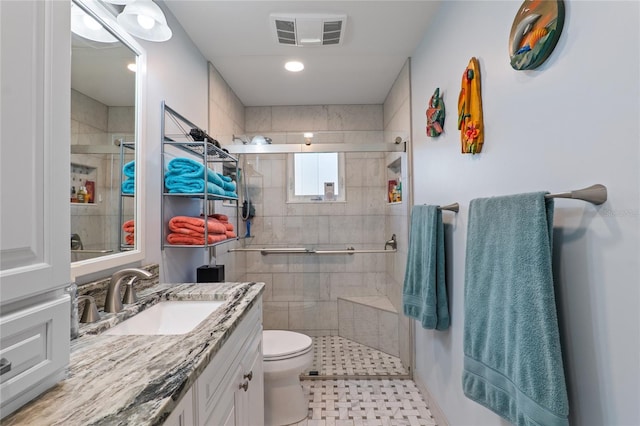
{"x": 308, "y": 29}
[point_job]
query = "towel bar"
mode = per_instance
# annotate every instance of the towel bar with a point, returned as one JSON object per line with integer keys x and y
{"x": 455, "y": 207}
{"x": 595, "y": 194}
{"x": 298, "y": 250}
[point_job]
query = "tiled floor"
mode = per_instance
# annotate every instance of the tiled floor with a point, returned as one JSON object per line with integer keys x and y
{"x": 336, "y": 356}
{"x": 365, "y": 403}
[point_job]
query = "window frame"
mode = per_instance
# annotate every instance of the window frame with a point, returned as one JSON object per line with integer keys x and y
{"x": 318, "y": 198}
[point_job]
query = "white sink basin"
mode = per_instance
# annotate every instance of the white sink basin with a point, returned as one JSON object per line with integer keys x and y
{"x": 172, "y": 317}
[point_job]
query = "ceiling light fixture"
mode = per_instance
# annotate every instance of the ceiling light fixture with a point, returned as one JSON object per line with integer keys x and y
{"x": 87, "y": 27}
{"x": 144, "y": 19}
{"x": 132, "y": 67}
{"x": 294, "y": 66}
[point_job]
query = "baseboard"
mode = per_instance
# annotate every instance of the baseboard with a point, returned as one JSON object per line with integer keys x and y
{"x": 436, "y": 412}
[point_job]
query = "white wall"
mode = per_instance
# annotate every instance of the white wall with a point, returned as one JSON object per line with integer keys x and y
{"x": 570, "y": 123}
{"x": 177, "y": 74}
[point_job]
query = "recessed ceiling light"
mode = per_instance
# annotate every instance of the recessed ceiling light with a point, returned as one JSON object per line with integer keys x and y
{"x": 132, "y": 67}
{"x": 294, "y": 66}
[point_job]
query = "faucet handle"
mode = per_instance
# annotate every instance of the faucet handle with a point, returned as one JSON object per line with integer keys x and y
{"x": 130, "y": 295}
{"x": 90, "y": 310}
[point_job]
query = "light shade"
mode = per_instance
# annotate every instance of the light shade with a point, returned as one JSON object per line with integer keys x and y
{"x": 144, "y": 19}
{"x": 87, "y": 27}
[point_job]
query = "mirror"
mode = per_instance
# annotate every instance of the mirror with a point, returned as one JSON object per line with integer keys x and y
{"x": 107, "y": 68}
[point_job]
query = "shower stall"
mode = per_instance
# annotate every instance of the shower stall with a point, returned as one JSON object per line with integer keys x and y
{"x": 332, "y": 269}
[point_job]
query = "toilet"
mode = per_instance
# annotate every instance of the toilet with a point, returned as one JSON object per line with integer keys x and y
{"x": 286, "y": 354}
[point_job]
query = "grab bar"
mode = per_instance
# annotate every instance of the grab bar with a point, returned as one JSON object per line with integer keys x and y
{"x": 297, "y": 250}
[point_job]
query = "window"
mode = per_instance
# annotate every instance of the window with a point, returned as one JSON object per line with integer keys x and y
{"x": 314, "y": 176}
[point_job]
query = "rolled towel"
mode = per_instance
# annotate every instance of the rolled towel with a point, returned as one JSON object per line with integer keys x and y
{"x": 188, "y": 168}
{"x": 191, "y": 240}
{"x": 128, "y": 186}
{"x": 180, "y": 224}
{"x": 129, "y": 239}
{"x": 129, "y": 169}
{"x": 226, "y": 178}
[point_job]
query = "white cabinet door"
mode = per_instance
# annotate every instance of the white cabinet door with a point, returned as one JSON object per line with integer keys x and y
{"x": 250, "y": 397}
{"x": 35, "y": 71}
{"x": 35, "y": 49}
{"x": 183, "y": 414}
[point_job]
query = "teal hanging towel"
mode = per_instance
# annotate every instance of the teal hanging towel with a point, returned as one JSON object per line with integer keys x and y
{"x": 424, "y": 293}
{"x": 512, "y": 354}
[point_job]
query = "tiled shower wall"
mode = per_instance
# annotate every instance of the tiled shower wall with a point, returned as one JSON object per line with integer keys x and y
{"x": 302, "y": 290}
{"x": 226, "y": 118}
{"x": 93, "y": 123}
{"x": 397, "y": 120}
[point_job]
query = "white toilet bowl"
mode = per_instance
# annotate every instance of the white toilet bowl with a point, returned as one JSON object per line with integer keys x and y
{"x": 286, "y": 354}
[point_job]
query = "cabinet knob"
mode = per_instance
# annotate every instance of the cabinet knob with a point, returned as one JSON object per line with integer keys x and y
{"x": 244, "y": 386}
{"x": 248, "y": 376}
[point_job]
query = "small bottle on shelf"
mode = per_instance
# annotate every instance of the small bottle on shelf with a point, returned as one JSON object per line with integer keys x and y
{"x": 74, "y": 197}
{"x": 82, "y": 194}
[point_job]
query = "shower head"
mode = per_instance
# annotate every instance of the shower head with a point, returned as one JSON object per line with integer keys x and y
{"x": 260, "y": 140}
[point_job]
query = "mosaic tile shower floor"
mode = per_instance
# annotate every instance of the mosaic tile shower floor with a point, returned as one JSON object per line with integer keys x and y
{"x": 336, "y": 356}
{"x": 377, "y": 402}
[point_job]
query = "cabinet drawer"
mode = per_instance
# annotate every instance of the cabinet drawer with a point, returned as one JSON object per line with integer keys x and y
{"x": 221, "y": 375}
{"x": 33, "y": 346}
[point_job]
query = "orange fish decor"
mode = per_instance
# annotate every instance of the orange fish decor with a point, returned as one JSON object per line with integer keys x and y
{"x": 470, "y": 121}
{"x": 435, "y": 115}
{"x": 535, "y": 32}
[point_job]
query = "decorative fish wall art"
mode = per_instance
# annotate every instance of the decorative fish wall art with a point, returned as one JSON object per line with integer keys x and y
{"x": 435, "y": 115}
{"x": 470, "y": 122}
{"x": 535, "y": 32}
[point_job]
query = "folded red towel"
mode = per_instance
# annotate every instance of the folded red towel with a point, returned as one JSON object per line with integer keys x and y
{"x": 192, "y": 240}
{"x": 128, "y": 226}
{"x": 220, "y": 217}
{"x": 129, "y": 239}
{"x": 231, "y": 234}
{"x": 180, "y": 223}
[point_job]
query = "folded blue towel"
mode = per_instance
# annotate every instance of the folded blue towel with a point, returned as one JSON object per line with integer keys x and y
{"x": 129, "y": 169}
{"x": 512, "y": 353}
{"x": 228, "y": 185}
{"x": 424, "y": 293}
{"x": 189, "y": 168}
{"x": 177, "y": 184}
{"x": 128, "y": 186}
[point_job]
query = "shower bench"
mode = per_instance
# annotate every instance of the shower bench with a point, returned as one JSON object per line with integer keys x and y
{"x": 369, "y": 320}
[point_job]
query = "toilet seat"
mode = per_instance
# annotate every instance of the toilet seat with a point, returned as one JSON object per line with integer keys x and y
{"x": 282, "y": 344}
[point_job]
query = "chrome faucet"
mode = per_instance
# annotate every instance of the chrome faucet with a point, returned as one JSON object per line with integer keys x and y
{"x": 112, "y": 302}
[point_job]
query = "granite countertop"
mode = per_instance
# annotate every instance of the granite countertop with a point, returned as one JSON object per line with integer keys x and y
{"x": 138, "y": 380}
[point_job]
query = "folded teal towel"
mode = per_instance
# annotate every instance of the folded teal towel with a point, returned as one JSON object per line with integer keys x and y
{"x": 128, "y": 186}
{"x": 512, "y": 354}
{"x": 188, "y": 168}
{"x": 228, "y": 185}
{"x": 129, "y": 169}
{"x": 177, "y": 184}
{"x": 424, "y": 293}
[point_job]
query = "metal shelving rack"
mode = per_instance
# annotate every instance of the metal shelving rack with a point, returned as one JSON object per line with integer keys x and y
{"x": 124, "y": 146}
{"x": 176, "y": 134}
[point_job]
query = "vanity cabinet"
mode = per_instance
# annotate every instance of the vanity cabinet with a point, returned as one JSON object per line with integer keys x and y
{"x": 34, "y": 182}
{"x": 178, "y": 142}
{"x": 230, "y": 391}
